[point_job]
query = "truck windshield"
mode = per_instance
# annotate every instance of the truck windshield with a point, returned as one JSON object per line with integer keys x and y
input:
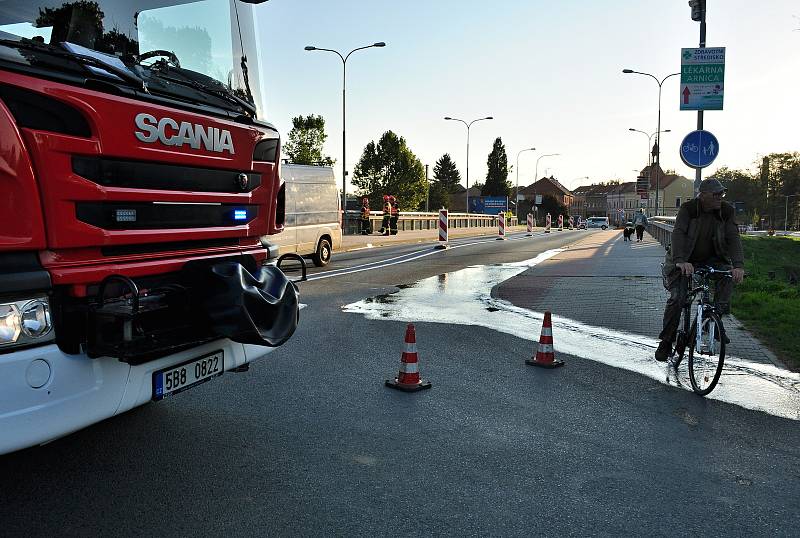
{"x": 178, "y": 45}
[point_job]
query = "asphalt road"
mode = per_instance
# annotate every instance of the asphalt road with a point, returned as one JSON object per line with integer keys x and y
{"x": 310, "y": 443}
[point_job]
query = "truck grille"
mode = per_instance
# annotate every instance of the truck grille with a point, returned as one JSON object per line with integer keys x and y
{"x": 158, "y": 176}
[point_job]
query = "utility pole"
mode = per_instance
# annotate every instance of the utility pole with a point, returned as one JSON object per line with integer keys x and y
{"x": 428, "y": 189}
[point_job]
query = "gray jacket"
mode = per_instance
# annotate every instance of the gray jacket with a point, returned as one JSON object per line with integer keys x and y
{"x": 639, "y": 219}
{"x": 727, "y": 244}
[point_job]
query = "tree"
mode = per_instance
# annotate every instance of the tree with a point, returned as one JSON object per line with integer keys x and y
{"x": 446, "y": 181}
{"x": 390, "y": 167}
{"x": 78, "y": 22}
{"x": 497, "y": 183}
{"x": 551, "y": 205}
{"x": 306, "y": 140}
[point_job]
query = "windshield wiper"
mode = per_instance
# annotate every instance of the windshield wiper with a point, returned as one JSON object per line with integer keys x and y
{"x": 190, "y": 81}
{"x": 124, "y": 74}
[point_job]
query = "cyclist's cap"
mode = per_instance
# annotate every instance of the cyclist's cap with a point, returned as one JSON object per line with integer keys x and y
{"x": 711, "y": 185}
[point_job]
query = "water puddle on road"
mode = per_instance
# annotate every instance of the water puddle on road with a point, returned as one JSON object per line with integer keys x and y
{"x": 463, "y": 297}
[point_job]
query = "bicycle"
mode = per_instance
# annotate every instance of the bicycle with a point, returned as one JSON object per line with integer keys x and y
{"x": 706, "y": 346}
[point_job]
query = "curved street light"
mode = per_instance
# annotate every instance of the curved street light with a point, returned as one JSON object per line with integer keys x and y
{"x": 448, "y": 118}
{"x": 658, "y": 128}
{"x": 344, "y": 130}
{"x": 516, "y": 191}
{"x": 649, "y": 140}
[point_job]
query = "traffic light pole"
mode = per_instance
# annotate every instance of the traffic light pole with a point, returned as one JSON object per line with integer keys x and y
{"x": 698, "y": 173}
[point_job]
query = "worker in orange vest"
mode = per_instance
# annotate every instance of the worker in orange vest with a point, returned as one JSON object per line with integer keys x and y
{"x": 395, "y": 210}
{"x": 365, "y": 212}
{"x": 387, "y": 214}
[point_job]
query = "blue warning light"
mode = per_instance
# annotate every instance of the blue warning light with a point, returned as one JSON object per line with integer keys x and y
{"x": 239, "y": 214}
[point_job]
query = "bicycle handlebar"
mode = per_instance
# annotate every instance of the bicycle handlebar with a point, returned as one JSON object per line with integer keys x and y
{"x": 705, "y": 270}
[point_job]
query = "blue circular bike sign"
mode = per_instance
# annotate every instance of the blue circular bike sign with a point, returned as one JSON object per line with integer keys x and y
{"x": 699, "y": 149}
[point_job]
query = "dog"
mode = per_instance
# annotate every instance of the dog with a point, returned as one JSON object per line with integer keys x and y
{"x": 627, "y": 233}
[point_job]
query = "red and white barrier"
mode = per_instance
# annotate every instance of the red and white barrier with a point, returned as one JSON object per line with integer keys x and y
{"x": 530, "y": 224}
{"x": 443, "y": 222}
{"x": 501, "y": 227}
{"x": 560, "y": 223}
{"x": 547, "y": 222}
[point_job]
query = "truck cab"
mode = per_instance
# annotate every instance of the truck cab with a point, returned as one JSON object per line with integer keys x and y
{"x": 139, "y": 175}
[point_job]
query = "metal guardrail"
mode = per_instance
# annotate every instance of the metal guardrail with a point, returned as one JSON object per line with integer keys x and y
{"x": 409, "y": 221}
{"x": 661, "y": 229}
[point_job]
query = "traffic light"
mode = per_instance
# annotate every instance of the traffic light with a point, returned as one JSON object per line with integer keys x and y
{"x": 698, "y": 10}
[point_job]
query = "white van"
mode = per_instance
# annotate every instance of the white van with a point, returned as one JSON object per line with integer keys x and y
{"x": 597, "y": 222}
{"x": 312, "y": 224}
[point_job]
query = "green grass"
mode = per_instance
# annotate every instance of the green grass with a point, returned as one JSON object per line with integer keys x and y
{"x": 770, "y": 307}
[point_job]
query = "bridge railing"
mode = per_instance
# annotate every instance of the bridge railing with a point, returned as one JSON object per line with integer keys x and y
{"x": 408, "y": 221}
{"x": 661, "y": 229}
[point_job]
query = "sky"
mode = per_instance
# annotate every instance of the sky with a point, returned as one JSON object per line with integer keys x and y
{"x": 548, "y": 71}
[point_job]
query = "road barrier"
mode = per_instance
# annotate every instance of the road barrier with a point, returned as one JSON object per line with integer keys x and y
{"x": 443, "y": 243}
{"x": 408, "y": 379}
{"x": 530, "y": 225}
{"x": 409, "y": 221}
{"x": 545, "y": 355}
{"x": 501, "y": 228}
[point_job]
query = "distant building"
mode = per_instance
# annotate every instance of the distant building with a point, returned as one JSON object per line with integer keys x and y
{"x": 578, "y": 206}
{"x": 548, "y": 186}
{"x": 673, "y": 190}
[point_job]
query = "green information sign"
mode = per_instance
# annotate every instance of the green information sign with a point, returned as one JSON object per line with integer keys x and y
{"x": 702, "y": 78}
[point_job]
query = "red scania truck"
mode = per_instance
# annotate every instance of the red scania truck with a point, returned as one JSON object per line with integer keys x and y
{"x": 138, "y": 181}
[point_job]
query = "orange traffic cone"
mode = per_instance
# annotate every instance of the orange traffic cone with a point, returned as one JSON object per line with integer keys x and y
{"x": 544, "y": 353}
{"x": 408, "y": 379}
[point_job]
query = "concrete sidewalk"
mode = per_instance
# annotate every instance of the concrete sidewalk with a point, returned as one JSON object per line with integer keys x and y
{"x": 603, "y": 281}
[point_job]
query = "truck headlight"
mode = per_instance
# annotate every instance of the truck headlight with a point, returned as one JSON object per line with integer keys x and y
{"x": 25, "y": 322}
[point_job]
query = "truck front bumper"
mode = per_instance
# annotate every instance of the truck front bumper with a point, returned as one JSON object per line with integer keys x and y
{"x": 46, "y": 394}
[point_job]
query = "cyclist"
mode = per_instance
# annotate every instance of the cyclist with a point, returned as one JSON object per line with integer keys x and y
{"x": 705, "y": 233}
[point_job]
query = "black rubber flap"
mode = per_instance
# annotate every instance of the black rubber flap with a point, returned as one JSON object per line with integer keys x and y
{"x": 261, "y": 308}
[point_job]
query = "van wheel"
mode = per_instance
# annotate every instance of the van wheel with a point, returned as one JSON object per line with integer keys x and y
{"x": 604, "y": 226}
{"x": 323, "y": 254}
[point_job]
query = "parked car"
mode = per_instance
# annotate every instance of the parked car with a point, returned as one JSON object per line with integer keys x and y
{"x": 312, "y": 225}
{"x": 597, "y": 222}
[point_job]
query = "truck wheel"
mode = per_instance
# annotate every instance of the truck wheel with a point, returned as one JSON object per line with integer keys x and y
{"x": 323, "y": 255}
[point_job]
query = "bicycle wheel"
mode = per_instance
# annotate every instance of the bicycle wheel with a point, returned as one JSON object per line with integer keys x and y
{"x": 705, "y": 364}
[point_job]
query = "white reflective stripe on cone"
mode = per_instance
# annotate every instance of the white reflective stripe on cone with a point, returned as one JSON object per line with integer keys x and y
{"x": 411, "y": 347}
{"x": 409, "y": 368}
{"x": 547, "y": 331}
{"x": 545, "y": 348}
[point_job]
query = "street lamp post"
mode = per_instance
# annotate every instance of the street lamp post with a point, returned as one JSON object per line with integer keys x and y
{"x": 516, "y": 190}
{"x": 344, "y": 130}
{"x": 786, "y": 211}
{"x": 649, "y": 140}
{"x": 468, "y": 126}
{"x": 658, "y": 128}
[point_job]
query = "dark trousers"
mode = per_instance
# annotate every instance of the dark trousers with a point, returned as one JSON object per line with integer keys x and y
{"x": 678, "y": 289}
{"x": 393, "y": 225}
{"x": 365, "y": 226}
{"x": 385, "y": 225}
{"x": 639, "y": 231}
